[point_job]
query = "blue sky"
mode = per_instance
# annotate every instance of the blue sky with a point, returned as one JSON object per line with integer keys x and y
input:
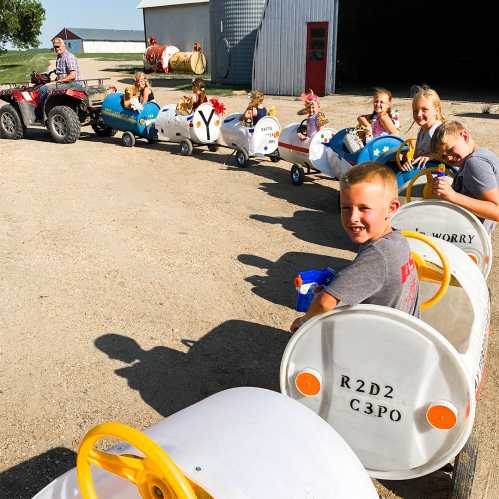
{"x": 107, "y": 14}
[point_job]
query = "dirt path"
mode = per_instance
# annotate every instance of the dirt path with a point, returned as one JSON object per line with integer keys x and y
{"x": 135, "y": 282}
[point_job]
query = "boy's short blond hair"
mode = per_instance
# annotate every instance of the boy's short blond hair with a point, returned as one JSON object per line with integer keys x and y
{"x": 371, "y": 172}
{"x": 449, "y": 128}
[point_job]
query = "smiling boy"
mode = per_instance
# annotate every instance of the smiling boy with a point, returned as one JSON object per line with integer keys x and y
{"x": 383, "y": 273}
{"x": 476, "y": 186}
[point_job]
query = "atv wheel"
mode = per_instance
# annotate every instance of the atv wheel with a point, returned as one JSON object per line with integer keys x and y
{"x": 11, "y": 126}
{"x": 63, "y": 125}
{"x": 102, "y": 130}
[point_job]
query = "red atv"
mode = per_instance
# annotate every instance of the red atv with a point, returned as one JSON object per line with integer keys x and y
{"x": 64, "y": 110}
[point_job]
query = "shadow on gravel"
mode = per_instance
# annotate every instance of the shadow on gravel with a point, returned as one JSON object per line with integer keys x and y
{"x": 309, "y": 195}
{"x": 236, "y": 353}
{"x": 278, "y": 285}
{"x": 314, "y": 227}
{"x": 25, "y": 479}
{"x": 484, "y": 116}
{"x": 436, "y": 485}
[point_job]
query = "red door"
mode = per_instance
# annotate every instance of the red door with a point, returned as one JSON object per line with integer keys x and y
{"x": 315, "y": 71}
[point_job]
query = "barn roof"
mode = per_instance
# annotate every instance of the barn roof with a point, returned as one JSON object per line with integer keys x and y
{"x": 144, "y": 4}
{"x": 108, "y": 35}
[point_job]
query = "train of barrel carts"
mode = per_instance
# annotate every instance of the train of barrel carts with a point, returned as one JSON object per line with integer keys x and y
{"x": 366, "y": 390}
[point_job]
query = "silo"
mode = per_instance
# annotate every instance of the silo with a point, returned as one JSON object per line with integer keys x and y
{"x": 233, "y": 28}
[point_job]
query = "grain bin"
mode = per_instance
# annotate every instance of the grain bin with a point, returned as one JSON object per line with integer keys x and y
{"x": 234, "y": 25}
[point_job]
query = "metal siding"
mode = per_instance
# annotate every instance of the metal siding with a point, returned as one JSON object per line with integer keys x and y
{"x": 237, "y": 22}
{"x": 179, "y": 26}
{"x": 103, "y": 47}
{"x": 108, "y": 35}
{"x": 285, "y": 26}
{"x": 75, "y": 46}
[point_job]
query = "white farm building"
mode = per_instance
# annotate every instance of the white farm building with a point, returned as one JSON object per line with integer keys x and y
{"x": 177, "y": 22}
{"x": 92, "y": 41}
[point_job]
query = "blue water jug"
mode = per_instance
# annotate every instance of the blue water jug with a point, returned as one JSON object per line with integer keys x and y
{"x": 307, "y": 281}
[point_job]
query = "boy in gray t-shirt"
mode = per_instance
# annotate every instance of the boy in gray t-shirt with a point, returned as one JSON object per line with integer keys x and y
{"x": 476, "y": 186}
{"x": 383, "y": 273}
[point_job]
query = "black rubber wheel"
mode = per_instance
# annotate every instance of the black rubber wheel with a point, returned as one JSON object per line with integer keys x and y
{"x": 464, "y": 469}
{"x": 11, "y": 126}
{"x": 102, "y": 130}
{"x": 297, "y": 175}
{"x": 275, "y": 156}
{"x": 242, "y": 158}
{"x": 128, "y": 139}
{"x": 186, "y": 147}
{"x": 213, "y": 147}
{"x": 63, "y": 125}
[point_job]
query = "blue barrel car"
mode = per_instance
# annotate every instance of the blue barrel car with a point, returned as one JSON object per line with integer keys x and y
{"x": 133, "y": 123}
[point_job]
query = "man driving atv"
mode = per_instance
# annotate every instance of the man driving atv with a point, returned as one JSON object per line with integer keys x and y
{"x": 67, "y": 70}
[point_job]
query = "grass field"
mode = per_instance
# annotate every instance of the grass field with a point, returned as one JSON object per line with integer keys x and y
{"x": 18, "y": 65}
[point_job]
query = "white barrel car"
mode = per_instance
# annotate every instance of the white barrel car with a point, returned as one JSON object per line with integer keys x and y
{"x": 242, "y": 443}
{"x": 200, "y": 128}
{"x": 257, "y": 141}
{"x": 451, "y": 223}
{"x": 310, "y": 155}
{"x": 400, "y": 390}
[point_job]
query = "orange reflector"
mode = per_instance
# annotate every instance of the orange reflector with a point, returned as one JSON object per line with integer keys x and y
{"x": 473, "y": 257}
{"x": 308, "y": 382}
{"x": 442, "y": 415}
{"x": 298, "y": 281}
{"x": 198, "y": 124}
{"x": 277, "y": 134}
{"x": 142, "y": 121}
{"x": 217, "y": 123}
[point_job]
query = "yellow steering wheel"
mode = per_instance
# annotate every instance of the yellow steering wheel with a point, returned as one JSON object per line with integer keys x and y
{"x": 155, "y": 475}
{"x": 427, "y": 271}
{"x": 427, "y": 189}
{"x": 401, "y": 156}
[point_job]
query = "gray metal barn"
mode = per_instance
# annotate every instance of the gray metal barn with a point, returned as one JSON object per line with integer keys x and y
{"x": 296, "y": 47}
{"x": 179, "y": 23}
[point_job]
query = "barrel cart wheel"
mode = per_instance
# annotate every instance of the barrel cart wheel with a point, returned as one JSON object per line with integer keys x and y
{"x": 275, "y": 157}
{"x": 213, "y": 147}
{"x": 186, "y": 147}
{"x": 128, "y": 139}
{"x": 297, "y": 174}
{"x": 464, "y": 469}
{"x": 101, "y": 129}
{"x": 242, "y": 158}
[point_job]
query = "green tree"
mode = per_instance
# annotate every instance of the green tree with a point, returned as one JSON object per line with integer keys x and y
{"x": 20, "y": 23}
